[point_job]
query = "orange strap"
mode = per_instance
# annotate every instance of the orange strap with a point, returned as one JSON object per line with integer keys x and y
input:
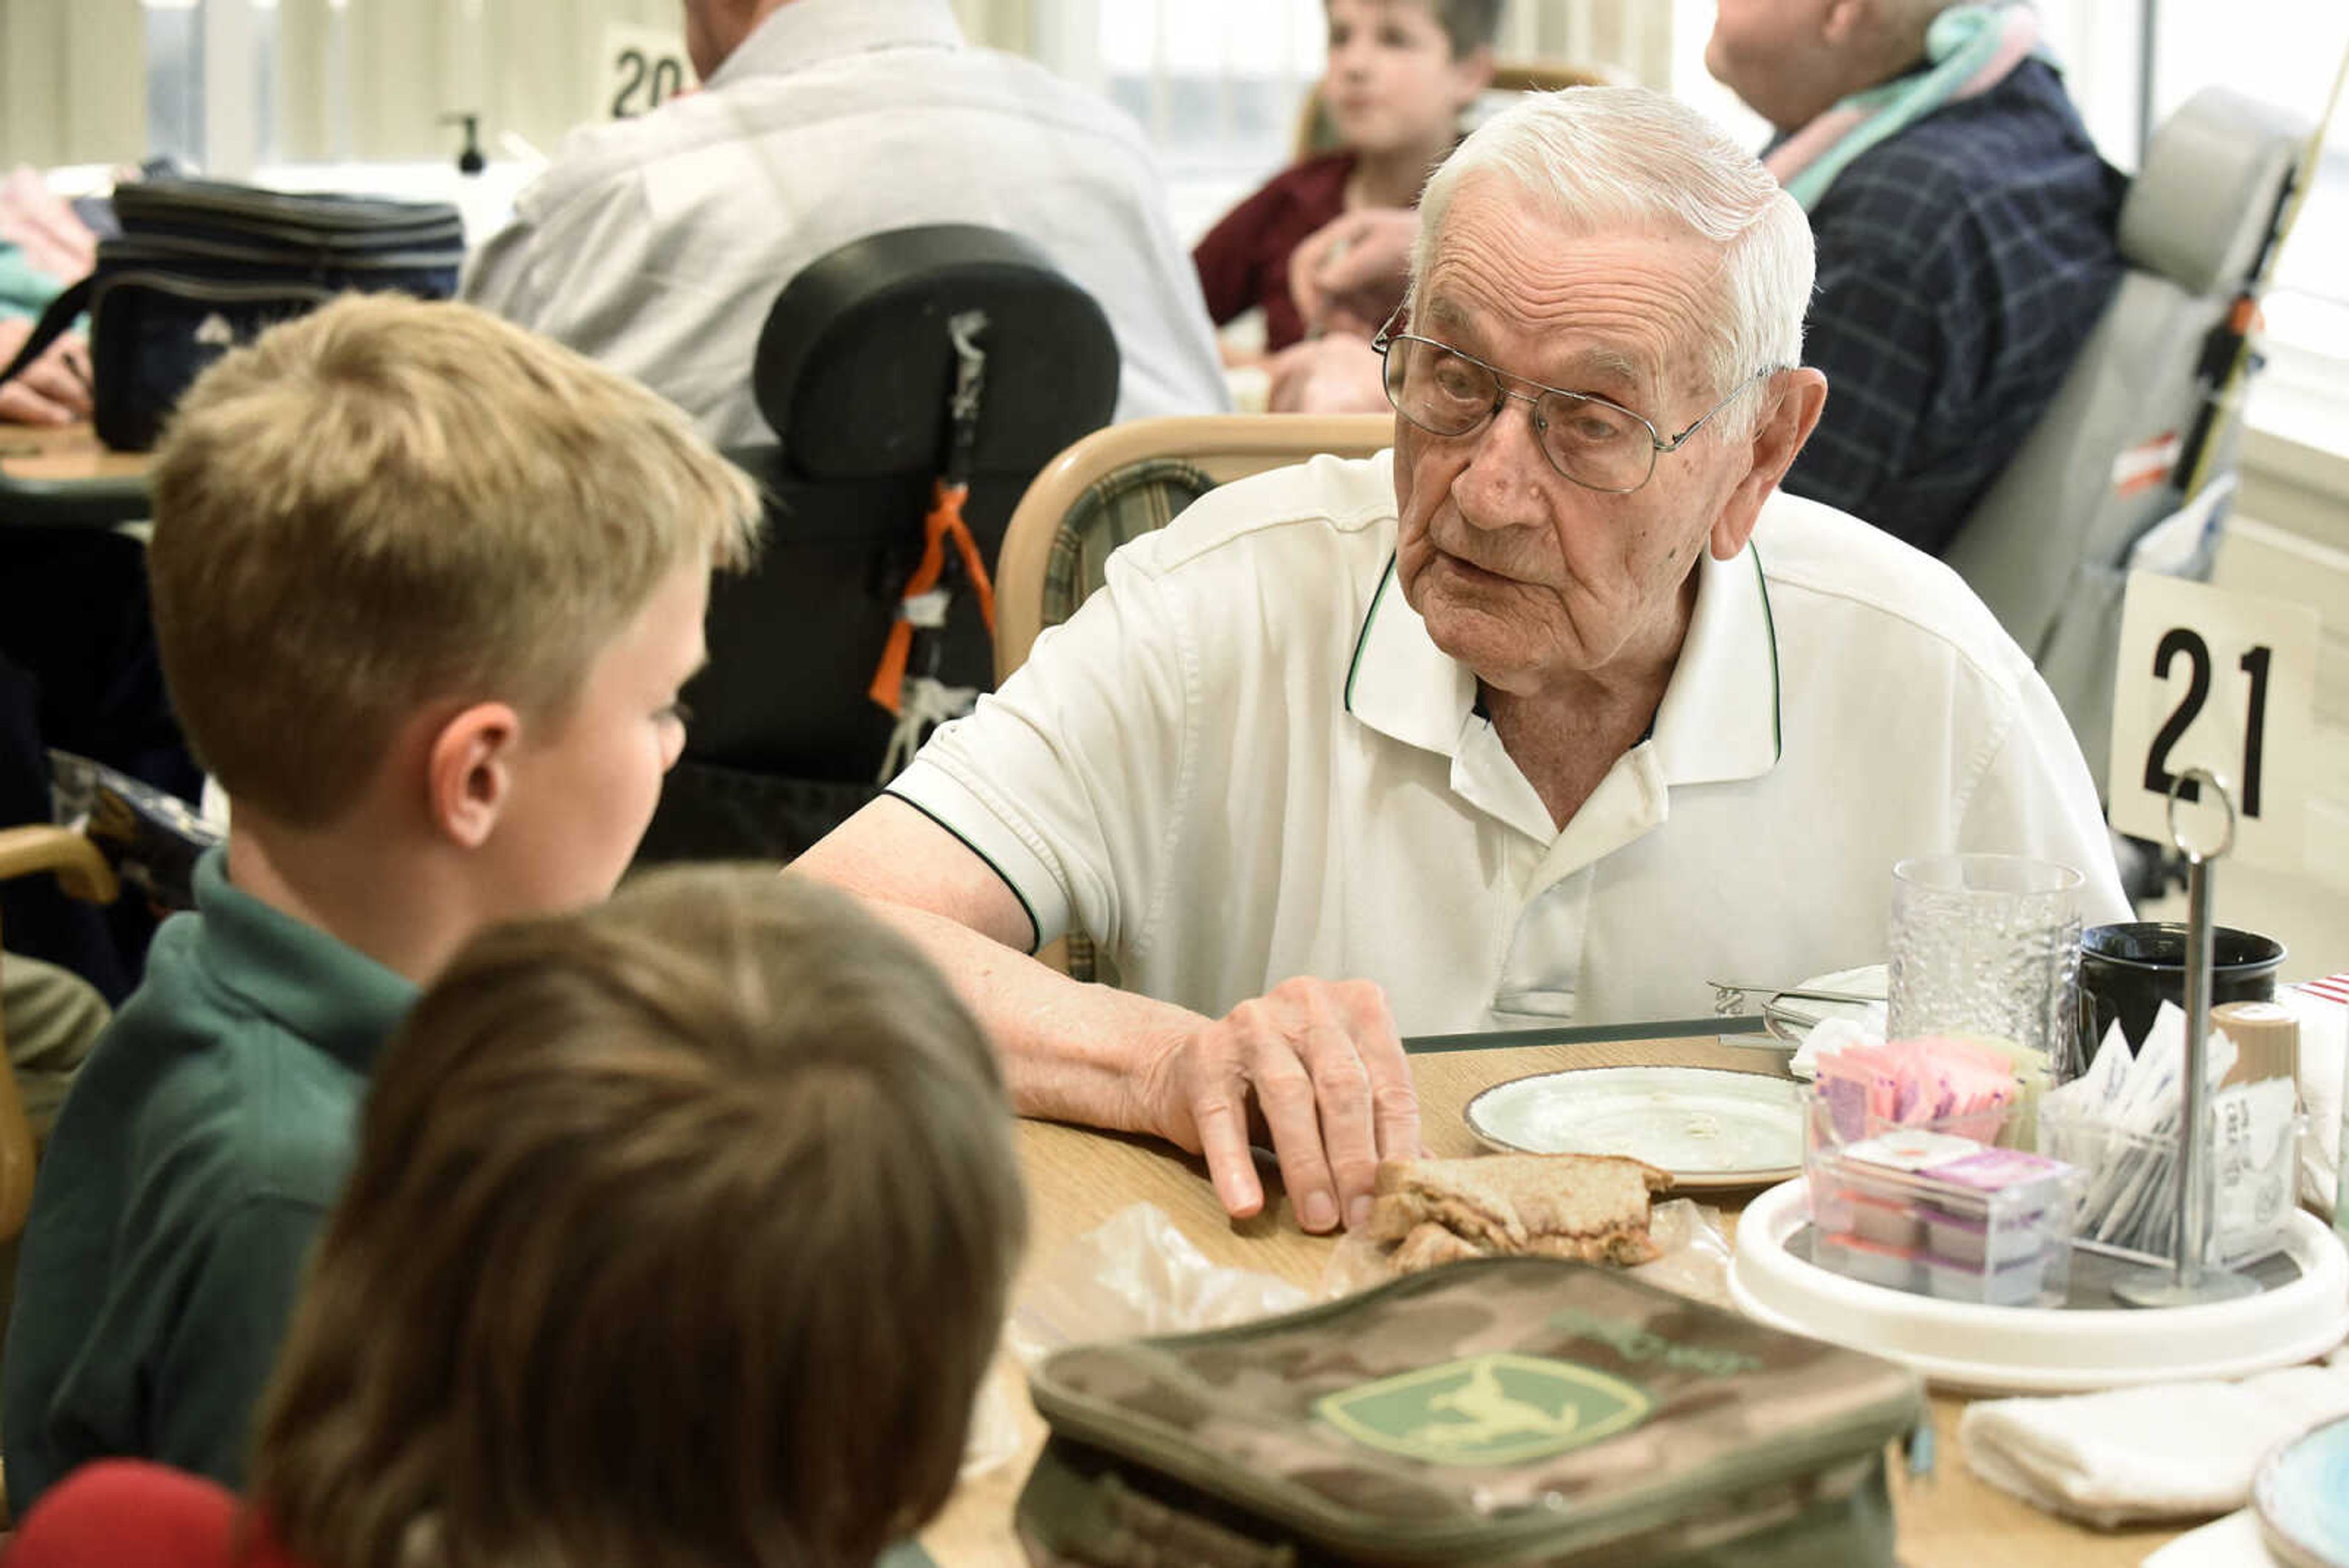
{"x": 944, "y": 518}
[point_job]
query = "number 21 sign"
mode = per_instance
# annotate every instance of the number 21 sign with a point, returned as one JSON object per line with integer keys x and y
{"x": 2223, "y": 681}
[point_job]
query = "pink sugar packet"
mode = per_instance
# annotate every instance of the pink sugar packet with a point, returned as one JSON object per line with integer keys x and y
{"x": 1910, "y": 1083}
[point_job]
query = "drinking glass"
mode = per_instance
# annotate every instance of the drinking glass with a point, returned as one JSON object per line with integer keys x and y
{"x": 1984, "y": 944}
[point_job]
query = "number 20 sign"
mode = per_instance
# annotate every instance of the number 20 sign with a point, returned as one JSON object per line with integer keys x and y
{"x": 2223, "y": 681}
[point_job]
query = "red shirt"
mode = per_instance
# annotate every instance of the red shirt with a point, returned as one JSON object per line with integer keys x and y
{"x": 1243, "y": 260}
{"x": 127, "y": 1513}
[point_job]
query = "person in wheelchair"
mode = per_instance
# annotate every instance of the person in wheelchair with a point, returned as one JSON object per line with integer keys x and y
{"x": 1966, "y": 230}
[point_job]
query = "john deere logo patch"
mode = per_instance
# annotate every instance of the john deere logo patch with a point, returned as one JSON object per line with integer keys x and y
{"x": 1486, "y": 1410}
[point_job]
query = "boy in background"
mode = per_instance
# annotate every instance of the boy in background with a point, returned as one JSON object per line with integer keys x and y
{"x": 680, "y": 1233}
{"x": 425, "y": 589}
{"x": 1399, "y": 75}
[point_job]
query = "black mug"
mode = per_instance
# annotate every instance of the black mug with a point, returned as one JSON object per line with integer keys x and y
{"x": 2127, "y": 971}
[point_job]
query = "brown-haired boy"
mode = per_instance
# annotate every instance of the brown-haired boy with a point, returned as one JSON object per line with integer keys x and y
{"x": 1399, "y": 75}
{"x": 679, "y": 1232}
{"x": 425, "y": 589}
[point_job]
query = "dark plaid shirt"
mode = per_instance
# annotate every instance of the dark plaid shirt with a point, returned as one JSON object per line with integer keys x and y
{"x": 1962, "y": 262}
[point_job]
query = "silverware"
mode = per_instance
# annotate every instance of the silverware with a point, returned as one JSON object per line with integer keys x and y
{"x": 1727, "y": 997}
{"x": 1586, "y": 1033}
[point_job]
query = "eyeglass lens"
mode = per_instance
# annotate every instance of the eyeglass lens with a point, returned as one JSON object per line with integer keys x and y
{"x": 1449, "y": 394}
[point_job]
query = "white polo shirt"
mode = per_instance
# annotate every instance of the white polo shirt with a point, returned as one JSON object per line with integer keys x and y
{"x": 1243, "y": 760}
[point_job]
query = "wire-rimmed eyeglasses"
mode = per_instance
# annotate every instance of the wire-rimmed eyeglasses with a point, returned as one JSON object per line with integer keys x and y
{"x": 1598, "y": 445}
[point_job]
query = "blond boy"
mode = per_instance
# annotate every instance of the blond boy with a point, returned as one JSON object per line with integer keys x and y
{"x": 425, "y": 589}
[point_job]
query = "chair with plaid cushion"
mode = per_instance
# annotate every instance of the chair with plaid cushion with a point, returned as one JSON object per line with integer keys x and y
{"x": 1118, "y": 484}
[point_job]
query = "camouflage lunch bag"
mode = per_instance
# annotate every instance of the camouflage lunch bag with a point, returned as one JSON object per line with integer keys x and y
{"x": 1518, "y": 1411}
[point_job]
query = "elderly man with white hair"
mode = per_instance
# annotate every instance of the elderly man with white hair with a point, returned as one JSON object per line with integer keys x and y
{"x": 1548, "y": 715}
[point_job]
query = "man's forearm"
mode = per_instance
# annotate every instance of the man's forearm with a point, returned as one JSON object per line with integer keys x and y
{"x": 1070, "y": 1052}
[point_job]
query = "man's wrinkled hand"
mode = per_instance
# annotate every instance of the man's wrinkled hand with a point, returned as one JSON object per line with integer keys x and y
{"x": 1320, "y": 1064}
{"x": 1349, "y": 274}
{"x": 54, "y": 389}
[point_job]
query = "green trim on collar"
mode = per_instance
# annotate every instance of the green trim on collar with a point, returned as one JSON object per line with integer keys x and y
{"x": 1777, "y": 686}
{"x": 1363, "y": 638}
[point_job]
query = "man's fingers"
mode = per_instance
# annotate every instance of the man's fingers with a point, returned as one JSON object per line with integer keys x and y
{"x": 1394, "y": 1097}
{"x": 1342, "y": 1092}
{"x": 1395, "y": 1108}
{"x": 1323, "y": 1068}
{"x": 1219, "y": 1112}
{"x": 1285, "y": 1094}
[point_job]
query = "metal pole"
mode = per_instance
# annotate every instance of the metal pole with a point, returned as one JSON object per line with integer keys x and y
{"x": 2189, "y": 1282}
{"x": 2194, "y": 1187}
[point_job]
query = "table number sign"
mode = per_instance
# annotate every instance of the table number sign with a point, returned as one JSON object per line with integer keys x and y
{"x": 640, "y": 69}
{"x": 2220, "y": 681}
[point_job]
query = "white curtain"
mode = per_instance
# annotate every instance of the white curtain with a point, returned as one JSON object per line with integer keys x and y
{"x": 1631, "y": 37}
{"x": 375, "y": 78}
{"x": 1003, "y": 24}
{"x": 73, "y": 83}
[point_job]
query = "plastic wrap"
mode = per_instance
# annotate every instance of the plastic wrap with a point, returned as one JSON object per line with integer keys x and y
{"x": 1136, "y": 1274}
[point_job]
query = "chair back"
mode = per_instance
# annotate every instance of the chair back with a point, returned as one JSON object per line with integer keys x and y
{"x": 2085, "y": 497}
{"x": 854, "y": 369}
{"x": 1120, "y": 483}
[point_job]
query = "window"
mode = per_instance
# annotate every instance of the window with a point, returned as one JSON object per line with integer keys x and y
{"x": 175, "y": 82}
{"x": 1216, "y": 85}
{"x": 212, "y": 83}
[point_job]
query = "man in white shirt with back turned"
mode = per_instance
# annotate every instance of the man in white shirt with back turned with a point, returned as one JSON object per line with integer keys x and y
{"x": 1550, "y": 714}
{"x": 657, "y": 245}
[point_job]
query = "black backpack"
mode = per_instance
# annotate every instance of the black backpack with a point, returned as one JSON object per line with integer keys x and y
{"x": 202, "y": 266}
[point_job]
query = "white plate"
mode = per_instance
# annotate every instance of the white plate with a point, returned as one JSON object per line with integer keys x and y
{"x": 1791, "y": 1018}
{"x": 1708, "y": 1127}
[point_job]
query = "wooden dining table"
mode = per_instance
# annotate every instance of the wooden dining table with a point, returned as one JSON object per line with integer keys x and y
{"x": 1078, "y": 1179}
{"x": 62, "y": 454}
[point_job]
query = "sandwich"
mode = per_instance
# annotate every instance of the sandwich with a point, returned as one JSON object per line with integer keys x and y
{"x": 1590, "y": 1208}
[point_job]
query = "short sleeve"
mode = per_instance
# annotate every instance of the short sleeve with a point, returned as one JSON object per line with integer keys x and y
{"x": 1070, "y": 780}
{"x": 2033, "y": 796}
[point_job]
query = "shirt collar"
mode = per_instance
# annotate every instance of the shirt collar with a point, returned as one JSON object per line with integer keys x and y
{"x": 809, "y": 32}
{"x": 1719, "y": 719}
{"x": 319, "y": 988}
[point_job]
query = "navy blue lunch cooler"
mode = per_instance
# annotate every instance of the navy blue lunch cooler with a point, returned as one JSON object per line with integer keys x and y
{"x": 202, "y": 266}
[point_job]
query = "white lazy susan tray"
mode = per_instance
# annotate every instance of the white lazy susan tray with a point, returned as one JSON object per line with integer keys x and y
{"x": 2300, "y": 1315}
